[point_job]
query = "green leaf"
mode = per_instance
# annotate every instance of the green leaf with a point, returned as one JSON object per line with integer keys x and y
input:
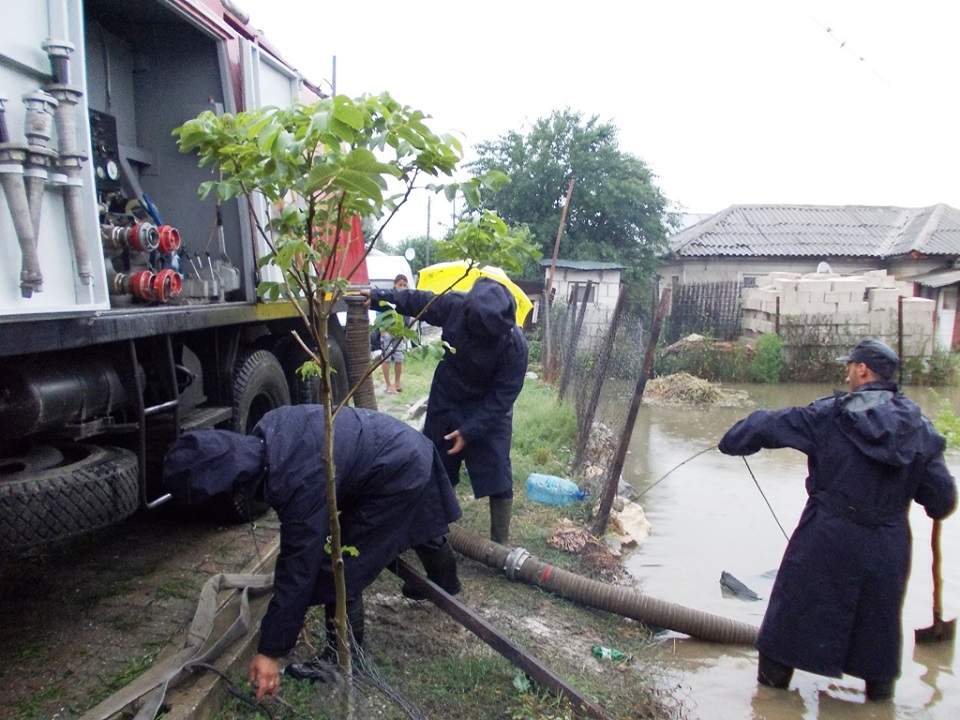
{"x": 309, "y": 369}
{"x": 267, "y": 137}
{"x": 471, "y": 194}
{"x": 350, "y": 550}
{"x": 349, "y": 115}
{"x": 360, "y": 182}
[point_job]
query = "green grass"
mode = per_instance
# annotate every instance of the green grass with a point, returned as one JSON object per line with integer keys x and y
{"x": 36, "y": 706}
{"x": 947, "y": 423}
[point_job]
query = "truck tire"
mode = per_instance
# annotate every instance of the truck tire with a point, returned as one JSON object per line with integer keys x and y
{"x": 90, "y": 487}
{"x": 259, "y": 386}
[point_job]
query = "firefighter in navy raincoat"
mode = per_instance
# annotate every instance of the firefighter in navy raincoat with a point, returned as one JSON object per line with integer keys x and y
{"x": 392, "y": 492}
{"x": 470, "y": 410}
{"x": 836, "y": 603}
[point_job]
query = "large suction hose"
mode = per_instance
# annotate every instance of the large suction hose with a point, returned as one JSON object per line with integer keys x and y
{"x": 519, "y": 564}
{"x": 358, "y": 352}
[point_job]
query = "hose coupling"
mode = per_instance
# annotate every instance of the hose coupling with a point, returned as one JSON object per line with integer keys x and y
{"x": 515, "y": 560}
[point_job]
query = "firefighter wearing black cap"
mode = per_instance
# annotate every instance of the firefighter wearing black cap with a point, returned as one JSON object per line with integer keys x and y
{"x": 836, "y": 602}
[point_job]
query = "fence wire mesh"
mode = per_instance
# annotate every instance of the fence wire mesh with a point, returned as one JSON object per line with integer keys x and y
{"x": 596, "y": 360}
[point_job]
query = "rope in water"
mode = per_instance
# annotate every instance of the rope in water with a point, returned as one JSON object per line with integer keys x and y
{"x": 698, "y": 454}
{"x": 675, "y": 467}
{"x": 750, "y": 470}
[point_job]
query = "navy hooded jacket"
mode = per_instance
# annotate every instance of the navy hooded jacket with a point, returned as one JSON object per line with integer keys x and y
{"x": 473, "y": 388}
{"x": 836, "y": 602}
{"x": 392, "y": 491}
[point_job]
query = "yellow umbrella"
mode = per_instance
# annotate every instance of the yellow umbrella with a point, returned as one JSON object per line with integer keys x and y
{"x": 438, "y": 278}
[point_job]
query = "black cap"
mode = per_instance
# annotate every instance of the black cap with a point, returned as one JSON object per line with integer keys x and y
{"x": 876, "y": 355}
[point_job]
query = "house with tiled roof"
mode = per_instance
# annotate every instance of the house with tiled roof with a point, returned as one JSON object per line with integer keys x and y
{"x": 746, "y": 242}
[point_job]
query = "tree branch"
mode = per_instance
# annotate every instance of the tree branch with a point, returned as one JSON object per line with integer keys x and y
{"x": 376, "y": 236}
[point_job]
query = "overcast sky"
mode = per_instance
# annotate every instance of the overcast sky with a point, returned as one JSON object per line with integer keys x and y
{"x": 733, "y": 101}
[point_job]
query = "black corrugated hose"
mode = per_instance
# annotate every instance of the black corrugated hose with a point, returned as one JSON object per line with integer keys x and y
{"x": 358, "y": 352}
{"x": 620, "y": 600}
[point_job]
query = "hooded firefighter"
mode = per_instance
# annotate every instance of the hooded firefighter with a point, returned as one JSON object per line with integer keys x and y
{"x": 470, "y": 410}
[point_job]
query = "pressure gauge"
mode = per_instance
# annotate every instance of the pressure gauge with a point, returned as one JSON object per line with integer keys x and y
{"x": 113, "y": 172}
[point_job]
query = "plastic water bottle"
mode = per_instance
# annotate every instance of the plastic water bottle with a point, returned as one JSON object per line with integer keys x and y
{"x": 553, "y": 490}
{"x": 604, "y": 653}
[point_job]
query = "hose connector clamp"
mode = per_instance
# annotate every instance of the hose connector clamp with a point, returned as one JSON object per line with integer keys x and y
{"x": 515, "y": 560}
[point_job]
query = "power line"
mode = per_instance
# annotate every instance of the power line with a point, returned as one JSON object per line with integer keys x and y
{"x": 844, "y": 45}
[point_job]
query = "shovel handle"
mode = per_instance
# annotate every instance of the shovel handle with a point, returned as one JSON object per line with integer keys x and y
{"x": 937, "y": 582}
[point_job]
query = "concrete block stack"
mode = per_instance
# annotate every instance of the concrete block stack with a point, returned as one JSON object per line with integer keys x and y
{"x": 838, "y": 307}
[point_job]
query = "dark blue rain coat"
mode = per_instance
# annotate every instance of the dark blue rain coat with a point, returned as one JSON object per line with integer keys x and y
{"x": 836, "y": 602}
{"x": 392, "y": 491}
{"x": 474, "y": 388}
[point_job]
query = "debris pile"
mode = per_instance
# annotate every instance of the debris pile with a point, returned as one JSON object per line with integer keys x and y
{"x": 686, "y": 389}
{"x": 574, "y": 539}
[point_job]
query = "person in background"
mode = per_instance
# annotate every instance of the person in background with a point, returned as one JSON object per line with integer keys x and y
{"x": 392, "y": 492}
{"x": 470, "y": 409}
{"x": 394, "y": 355}
{"x": 836, "y": 603}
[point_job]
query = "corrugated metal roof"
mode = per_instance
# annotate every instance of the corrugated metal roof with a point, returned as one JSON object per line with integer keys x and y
{"x": 936, "y": 279}
{"x": 822, "y": 231}
{"x": 583, "y": 264}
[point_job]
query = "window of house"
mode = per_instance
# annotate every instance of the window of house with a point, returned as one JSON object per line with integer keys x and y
{"x": 578, "y": 290}
{"x": 749, "y": 281}
{"x": 949, "y": 295}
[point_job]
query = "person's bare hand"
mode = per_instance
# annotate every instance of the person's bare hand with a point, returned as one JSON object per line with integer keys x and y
{"x": 365, "y": 294}
{"x": 459, "y": 442}
{"x": 264, "y": 675}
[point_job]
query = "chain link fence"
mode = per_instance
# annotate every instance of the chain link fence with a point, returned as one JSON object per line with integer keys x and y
{"x": 596, "y": 367}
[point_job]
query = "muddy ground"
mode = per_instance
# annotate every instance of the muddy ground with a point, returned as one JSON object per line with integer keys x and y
{"x": 79, "y": 620}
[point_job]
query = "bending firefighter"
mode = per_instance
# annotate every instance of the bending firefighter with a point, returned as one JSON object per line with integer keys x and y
{"x": 470, "y": 410}
{"x": 836, "y": 603}
{"x": 392, "y": 491}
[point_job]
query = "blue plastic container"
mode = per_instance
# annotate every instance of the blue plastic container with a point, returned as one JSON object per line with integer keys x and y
{"x": 553, "y": 490}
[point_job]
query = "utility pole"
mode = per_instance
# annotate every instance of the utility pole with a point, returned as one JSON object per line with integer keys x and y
{"x": 333, "y": 83}
{"x": 548, "y": 300}
{"x": 429, "y": 198}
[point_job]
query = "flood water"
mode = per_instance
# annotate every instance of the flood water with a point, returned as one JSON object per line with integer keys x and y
{"x": 708, "y": 517}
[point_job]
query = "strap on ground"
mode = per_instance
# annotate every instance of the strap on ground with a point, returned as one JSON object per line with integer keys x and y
{"x": 151, "y": 687}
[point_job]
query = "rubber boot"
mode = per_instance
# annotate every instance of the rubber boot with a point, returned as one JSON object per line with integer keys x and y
{"x": 440, "y": 563}
{"x": 879, "y": 690}
{"x": 321, "y": 668}
{"x": 773, "y": 674}
{"x": 501, "y": 510}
